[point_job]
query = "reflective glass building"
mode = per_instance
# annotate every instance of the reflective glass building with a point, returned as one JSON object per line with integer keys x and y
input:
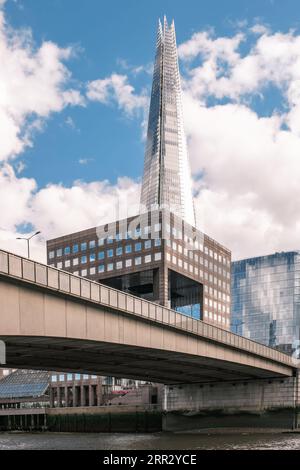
{"x": 167, "y": 177}
{"x": 265, "y": 295}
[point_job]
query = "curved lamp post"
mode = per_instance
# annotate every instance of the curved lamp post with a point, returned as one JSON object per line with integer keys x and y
{"x": 28, "y": 241}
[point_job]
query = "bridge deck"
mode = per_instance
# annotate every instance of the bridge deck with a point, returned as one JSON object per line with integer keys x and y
{"x": 31, "y": 274}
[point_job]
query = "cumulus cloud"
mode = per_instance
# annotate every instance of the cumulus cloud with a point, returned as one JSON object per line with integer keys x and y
{"x": 117, "y": 89}
{"x": 248, "y": 194}
{"x": 34, "y": 82}
{"x": 56, "y": 210}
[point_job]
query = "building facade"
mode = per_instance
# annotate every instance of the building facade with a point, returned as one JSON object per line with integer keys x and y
{"x": 265, "y": 293}
{"x": 167, "y": 176}
{"x": 156, "y": 256}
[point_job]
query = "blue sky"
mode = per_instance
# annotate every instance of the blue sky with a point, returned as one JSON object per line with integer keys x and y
{"x": 104, "y": 34}
{"x": 75, "y": 80}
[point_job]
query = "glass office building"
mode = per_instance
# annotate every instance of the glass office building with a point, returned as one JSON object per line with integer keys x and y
{"x": 265, "y": 295}
{"x": 167, "y": 177}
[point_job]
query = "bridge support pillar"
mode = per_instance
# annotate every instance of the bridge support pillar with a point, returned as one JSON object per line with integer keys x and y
{"x": 250, "y": 403}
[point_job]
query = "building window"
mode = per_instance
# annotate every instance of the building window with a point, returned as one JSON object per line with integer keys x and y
{"x": 110, "y": 253}
{"x": 92, "y": 244}
{"x": 128, "y": 249}
{"x": 101, "y": 268}
{"x": 69, "y": 377}
{"x": 75, "y": 248}
{"x": 59, "y": 252}
{"x": 119, "y": 251}
{"x": 110, "y": 267}
{"x": 53, "y": 378}
{"x": 84, "y": 272}
{"x": 92, "y": 271}
{"x": 128, "y": 263}
{"x": 147, "y": 244}
{"x": 157, "y": 227}
{"x": 83, "y": 259}
{"x": 138, "y": 247}
{"x": 83, "y": 246}
{"x": 86, "y": 376}
{"x": 148, "y": 259}
{"x": 59, "y": 265}
{"x": 61, "y": 377}
{"x": 119, "y": 265}
{"x": 157, "y": 256}
{"x": 92, "y": 257}
{"x": 101, "y": 255}
{"x": 101, "y": 242}
{"x": 67, "y": 250}
{"x": 110, "y": 240}
{"x": 157, "y": 242}
{"x": 67, "y": 263}
{"x": 77, "y": 376}
{"x": 75, "y": 261}
{"x": 51, "y": 254}
{"x": 138, "y": 261}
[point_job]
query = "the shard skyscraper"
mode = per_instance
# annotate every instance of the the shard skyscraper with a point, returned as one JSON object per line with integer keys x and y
{"x": 167, "y": 179}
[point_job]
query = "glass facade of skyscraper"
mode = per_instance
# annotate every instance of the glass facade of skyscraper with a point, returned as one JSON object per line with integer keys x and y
{"x": 167, "y": 177}
{"x": 265, "y": 295}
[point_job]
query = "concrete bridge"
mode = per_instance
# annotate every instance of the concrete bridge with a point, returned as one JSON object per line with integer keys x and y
{"x": 54, "y": 320}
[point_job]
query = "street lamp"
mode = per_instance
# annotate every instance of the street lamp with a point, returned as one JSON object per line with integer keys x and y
{"x": 28, "y": 241}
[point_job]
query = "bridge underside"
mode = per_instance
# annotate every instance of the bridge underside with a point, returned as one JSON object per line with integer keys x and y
{"x": 119, "y": 360}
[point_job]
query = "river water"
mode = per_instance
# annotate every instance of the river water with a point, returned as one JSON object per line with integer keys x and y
{"x": 225, "y": 440}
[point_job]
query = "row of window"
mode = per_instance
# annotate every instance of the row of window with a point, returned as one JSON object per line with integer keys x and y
{"x": 217, "y": 305}
{"x": 101, "y": 268}
{"x": 187, "y": 251}
{"x": 216, "y": 318}
{"x": 216, "y": 293}
{"x": 184, "y": 264}
{"x": 69, "y": 377}
{"x": 110, "y": 253}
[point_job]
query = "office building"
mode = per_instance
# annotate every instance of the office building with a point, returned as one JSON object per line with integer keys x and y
{"x": 265, "y": 293}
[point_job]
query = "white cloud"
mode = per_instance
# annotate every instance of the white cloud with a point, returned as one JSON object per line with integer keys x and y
{"x": 34, "y": 82}
{"x": 260, "y": 29}
{"x": 56, "y": 210}
{"x": 85, "y": 161}
{"x": 117, "y": 89}
{"x": 249, "y": 193}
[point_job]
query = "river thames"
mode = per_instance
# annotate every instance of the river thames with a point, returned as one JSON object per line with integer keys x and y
{"x": 225, "y": 440}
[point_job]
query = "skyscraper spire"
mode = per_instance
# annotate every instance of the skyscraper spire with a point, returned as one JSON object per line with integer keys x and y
{"x": 167, "y": 180}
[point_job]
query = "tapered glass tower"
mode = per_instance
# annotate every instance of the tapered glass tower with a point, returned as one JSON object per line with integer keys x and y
{"x": 167, "y": 179}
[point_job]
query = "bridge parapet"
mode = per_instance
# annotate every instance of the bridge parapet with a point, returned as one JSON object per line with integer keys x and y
{"x": 39, "y": 275}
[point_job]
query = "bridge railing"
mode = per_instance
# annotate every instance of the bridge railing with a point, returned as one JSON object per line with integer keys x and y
{"x": 55, "y": 279}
